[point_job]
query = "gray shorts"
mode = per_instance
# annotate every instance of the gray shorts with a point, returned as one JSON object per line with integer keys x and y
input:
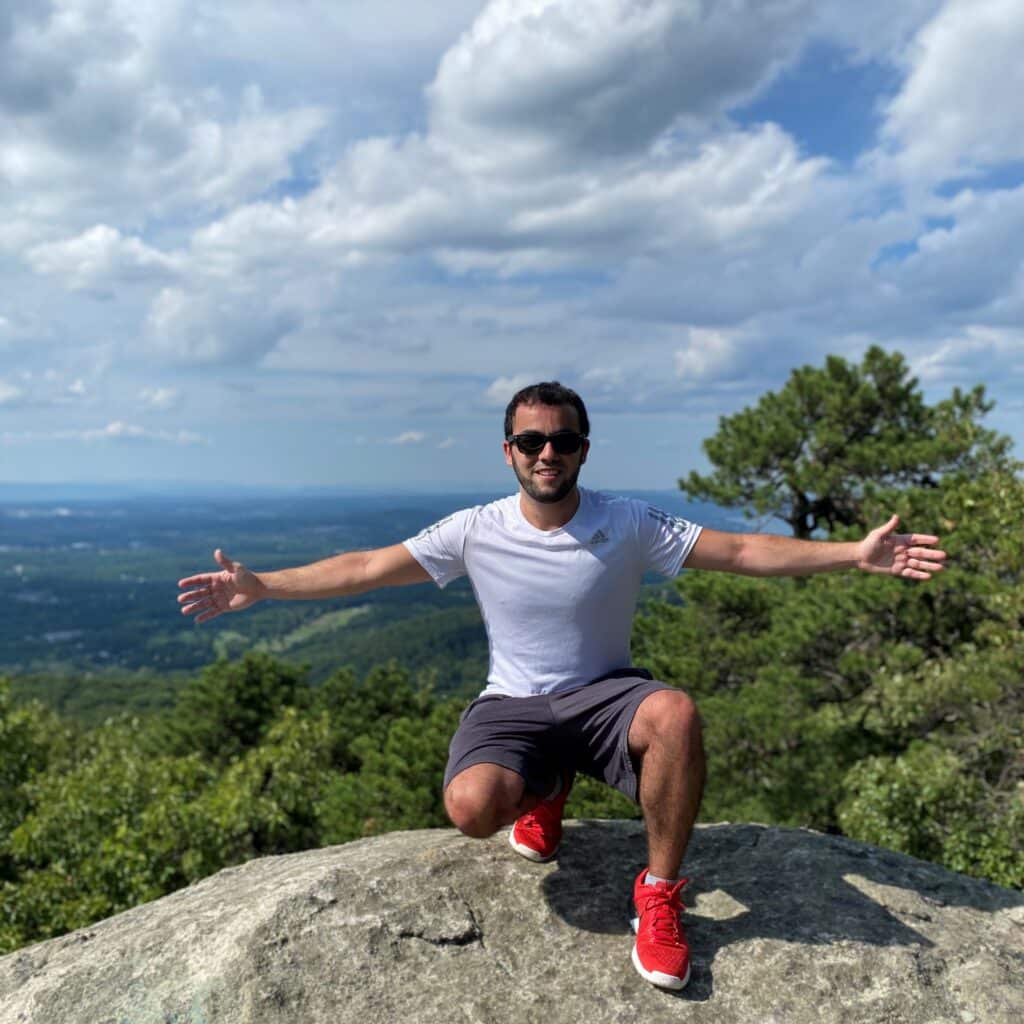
{"x": 540, "y": 737}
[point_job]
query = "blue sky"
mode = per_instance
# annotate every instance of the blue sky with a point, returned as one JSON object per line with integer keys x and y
{"x": 259, "y": 244}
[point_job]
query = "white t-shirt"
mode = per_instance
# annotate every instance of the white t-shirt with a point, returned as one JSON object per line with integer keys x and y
{"x": 558, "y": 605}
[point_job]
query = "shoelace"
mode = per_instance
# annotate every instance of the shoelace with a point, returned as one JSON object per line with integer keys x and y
{"x": 540, "y": 819}
{"x": 664, "y": 908}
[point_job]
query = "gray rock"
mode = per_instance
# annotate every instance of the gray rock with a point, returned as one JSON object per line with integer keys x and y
{"x": 786, "y": 926}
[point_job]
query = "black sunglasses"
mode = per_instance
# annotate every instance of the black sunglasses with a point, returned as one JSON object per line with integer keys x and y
{"x": 530, "y": 442}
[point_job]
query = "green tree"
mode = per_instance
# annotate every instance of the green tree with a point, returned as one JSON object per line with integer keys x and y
{"x": 31, "y": 739}
{"x": 364, "y": 709}
{"x": 231, "y": 705}
{"x": 889, "y": 711}
{"x": 130, "y": 813}
{"x": 267, "y": 801}
{"x": 812, "y": 453}
{"x": 399, "y": 782}
{"x": 91, "y": 845}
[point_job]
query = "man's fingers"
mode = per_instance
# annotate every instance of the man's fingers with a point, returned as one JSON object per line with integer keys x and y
{"x": 202, "y": 579}
{"x": 921, "y": 538}
{"x": 914, "y": 574}
{"x": 936, "y": 553}
{"x": 925, "y": 565}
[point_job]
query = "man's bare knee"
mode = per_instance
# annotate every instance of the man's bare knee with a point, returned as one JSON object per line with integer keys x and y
{"x": 667, "y": 717}
{"x": 467, "y": 813}
{"x": 481, "y": 799}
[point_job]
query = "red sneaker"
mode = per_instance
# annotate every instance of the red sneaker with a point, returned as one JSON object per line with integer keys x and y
{"x": 660, "y": 953}
{"x": 538, "y": 833}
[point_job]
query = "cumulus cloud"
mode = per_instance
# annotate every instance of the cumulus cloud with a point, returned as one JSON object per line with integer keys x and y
{"x": 409, "y": 437}
{"x": 556, "y": 81}
{"x": 99, "y": 253}
{"x": 707, "y": 354}
{"x": 101, "y": 122}
{"x": 873, "y": 31}
{"x": 572, "y": 187}
{"x": 977, "y": 351}
{"x": 236, "y": 324}
{"x": 954, "y": 115}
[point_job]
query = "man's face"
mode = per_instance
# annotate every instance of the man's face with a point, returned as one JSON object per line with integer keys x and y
{"x": 547, "y": 476}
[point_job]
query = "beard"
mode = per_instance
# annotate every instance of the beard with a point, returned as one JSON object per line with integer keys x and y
{"x": 536, "y": 491}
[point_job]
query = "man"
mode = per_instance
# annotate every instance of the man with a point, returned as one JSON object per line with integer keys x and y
{"x": 557, "y": 570}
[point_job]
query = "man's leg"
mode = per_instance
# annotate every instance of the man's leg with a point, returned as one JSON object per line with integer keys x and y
{"x": 665, "y": 742}
{"x": 485, "y": 797}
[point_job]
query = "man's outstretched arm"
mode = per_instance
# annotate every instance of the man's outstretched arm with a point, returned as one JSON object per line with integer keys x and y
{"x": 207, "y": 595}
{"x": 910, "y": 555}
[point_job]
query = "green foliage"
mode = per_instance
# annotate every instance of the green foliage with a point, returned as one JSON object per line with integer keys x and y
{"x": 231, "y": 705}
{"x": 811, "y": 690}
{"x": 887, "y": 710}
{"x": 31, "y": 739}
{"x": 813, "y": 453}
{"x": 267, "y": 801}
{"x": 930, "y": 803}
{"x": 399, "y": 782}
{"x": 103, "y": 835}
{"x": 592, "y": 799}
{"x": 133, "y": 811}
{"x": 90, "y": 698}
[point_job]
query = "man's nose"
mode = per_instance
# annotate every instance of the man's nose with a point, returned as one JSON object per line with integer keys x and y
{"x": 547, "y": 453}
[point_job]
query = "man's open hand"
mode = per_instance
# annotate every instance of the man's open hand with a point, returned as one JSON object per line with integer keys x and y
{"x": 210, "y": 594}
{"x": 910, "y": 555}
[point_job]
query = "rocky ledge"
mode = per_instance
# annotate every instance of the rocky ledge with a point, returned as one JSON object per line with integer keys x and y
{"x": 786, "y": 926}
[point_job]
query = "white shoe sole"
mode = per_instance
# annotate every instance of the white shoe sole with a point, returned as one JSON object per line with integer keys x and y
{"x": 527, "y": 851}
{"x": 658, "y": 978}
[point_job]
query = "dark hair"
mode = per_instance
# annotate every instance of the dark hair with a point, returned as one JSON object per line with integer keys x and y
{"x": 548, "y": 392}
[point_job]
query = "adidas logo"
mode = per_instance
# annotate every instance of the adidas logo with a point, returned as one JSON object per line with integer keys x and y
{"x": 599, "y": 538}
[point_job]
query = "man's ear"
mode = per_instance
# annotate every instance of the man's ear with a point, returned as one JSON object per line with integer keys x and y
{"x": 508, "y": 452}
{"x": 584, "y": 450}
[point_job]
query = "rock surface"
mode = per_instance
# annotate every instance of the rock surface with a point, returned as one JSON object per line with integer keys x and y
{"x": 786, "y": 926}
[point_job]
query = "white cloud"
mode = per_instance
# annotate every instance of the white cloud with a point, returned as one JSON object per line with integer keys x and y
{"x": 409, "y": 437}
{"x": 499, "y": 392}
{"x": 337, "y": 228}
{"x": 707, "y": 354}
{"x": 99, "y": 253}
{"x": 115, "y": 431}
{"x": 550, "y": 82}
{"x": 118, "y": 430}
{"x": 873, "y": 31}
{"x": 977, "y": 351}
{"x": 9, "y": 394}
{"x": 956, "y": 113}
{"x": 106, "y": 121}
{"x": 160, "y": 398}
{"x": 448, "y": 442}
{"x": 237, "y": 323}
